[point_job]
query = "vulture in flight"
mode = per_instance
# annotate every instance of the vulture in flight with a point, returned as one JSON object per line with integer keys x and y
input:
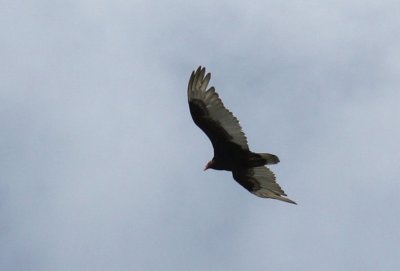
{"x": 231, "y": 151}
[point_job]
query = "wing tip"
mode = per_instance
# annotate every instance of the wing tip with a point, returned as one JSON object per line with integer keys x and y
{"x": 198, "y": 82}
{"x": 283, "y": 199}
{"x": 266, "y": 193}
{"x": 288, "y": 200}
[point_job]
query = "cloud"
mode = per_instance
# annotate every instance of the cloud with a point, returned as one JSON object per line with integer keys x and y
{"x": 101, "y": 165}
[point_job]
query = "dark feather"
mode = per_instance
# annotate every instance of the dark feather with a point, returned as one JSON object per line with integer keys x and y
{"x": 231, "y": 150}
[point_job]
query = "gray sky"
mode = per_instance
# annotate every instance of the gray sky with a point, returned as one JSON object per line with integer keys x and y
{"x": 101, "y": 164}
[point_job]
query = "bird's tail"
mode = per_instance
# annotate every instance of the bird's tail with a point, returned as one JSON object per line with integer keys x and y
{"x": 260, "y": 159}
{"x": 269, "y": 158}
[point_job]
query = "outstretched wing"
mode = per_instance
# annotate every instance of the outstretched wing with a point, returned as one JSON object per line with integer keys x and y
{"x": 210, "y": 114}
{"x": 261, "y": 182}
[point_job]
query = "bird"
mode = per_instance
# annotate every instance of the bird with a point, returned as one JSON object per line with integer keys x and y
{"x": 231, "y": 150}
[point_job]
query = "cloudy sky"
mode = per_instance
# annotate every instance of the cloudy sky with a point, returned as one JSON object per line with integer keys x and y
{"x": 101, "y": 164}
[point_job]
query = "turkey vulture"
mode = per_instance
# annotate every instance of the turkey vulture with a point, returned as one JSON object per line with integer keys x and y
{"x": 231, "y": 151}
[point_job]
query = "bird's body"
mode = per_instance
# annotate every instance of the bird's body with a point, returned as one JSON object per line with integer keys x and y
{"x": 231, "y": 150}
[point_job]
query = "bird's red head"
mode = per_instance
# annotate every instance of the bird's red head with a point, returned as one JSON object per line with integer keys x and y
{"x": 209, "y": 165}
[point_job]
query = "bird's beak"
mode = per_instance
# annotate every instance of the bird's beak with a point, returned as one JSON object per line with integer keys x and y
{"x": 208, "y": 166}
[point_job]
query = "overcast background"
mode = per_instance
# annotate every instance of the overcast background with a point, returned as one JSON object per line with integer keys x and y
{"x": 101, "y": 166}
